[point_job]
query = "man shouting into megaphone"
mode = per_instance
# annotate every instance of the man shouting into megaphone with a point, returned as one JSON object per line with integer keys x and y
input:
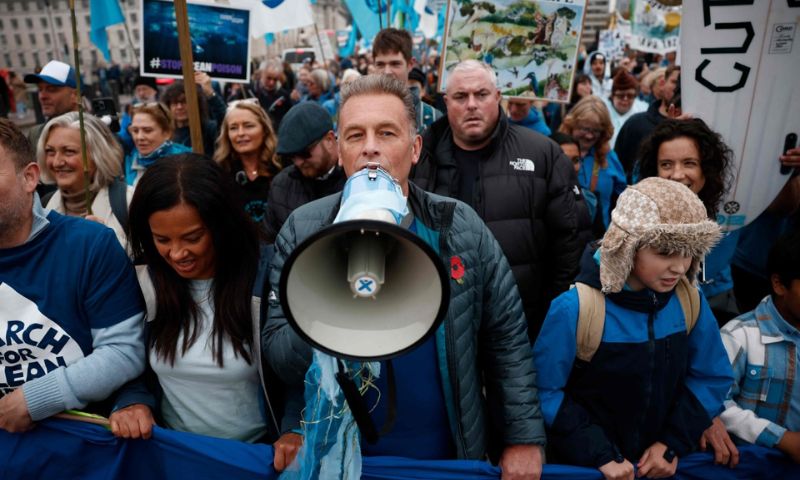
{"x": 467, "y": 390}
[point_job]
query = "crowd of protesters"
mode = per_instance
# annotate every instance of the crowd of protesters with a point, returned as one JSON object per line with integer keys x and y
{"x": 678, "y": 337}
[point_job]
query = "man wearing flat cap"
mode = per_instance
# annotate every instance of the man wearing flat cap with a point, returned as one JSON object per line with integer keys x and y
{"x": 57, "y": 93}
{"x": 305, "y": 138}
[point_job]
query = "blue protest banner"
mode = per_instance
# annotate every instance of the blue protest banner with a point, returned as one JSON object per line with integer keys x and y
{"x": 68, "y": 449}
{"x": 366, "y": 14}
{"x": 349, "y": 48}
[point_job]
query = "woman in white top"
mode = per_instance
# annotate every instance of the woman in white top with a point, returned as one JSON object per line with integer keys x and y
{"x": 623, "y": 102}
{"x": 60, "y": 161}
{"x": 201, "y": 252}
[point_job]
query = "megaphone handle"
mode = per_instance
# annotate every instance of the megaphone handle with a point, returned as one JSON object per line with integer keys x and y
{"x": 357, "y": 405}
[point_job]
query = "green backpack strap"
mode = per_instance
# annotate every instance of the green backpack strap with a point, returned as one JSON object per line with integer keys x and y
{"x": 689, "y": 297}
{"x": 591, "y": 321}
{"x": 118, "y": 197}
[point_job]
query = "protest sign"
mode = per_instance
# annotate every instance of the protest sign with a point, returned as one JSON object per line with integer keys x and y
{"x": 611, "y": 44}
{"x": 740, "y": 64}
{"x": 323, "y": 44}
{"x": 655, "y": 27}
{"x": 532, "y": 46}
{"x": 220, "y": 41}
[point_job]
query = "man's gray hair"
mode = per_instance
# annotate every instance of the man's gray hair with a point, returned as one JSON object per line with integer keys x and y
{"x": 475, "y": 65}
{"x": 105, "y": 151}
{"x": 381, "y": 85}
{"x": 322, "y": 78}
{"x": 271, "y": 66}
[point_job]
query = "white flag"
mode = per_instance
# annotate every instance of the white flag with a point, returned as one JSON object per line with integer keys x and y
{"x": 272, "y": 16}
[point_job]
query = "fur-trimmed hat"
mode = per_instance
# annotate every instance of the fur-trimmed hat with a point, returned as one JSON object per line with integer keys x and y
{"x": 659, "y": 213}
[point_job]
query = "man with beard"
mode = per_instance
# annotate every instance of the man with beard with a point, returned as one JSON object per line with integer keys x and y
{"x": 306, "y": 138}
{"x": 71, "y": 312}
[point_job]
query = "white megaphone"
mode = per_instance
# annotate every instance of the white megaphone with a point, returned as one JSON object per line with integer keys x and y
{"x": 365, "y": 288}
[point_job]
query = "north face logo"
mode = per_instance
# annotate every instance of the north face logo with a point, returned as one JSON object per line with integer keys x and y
{"x": 523, "y": 164}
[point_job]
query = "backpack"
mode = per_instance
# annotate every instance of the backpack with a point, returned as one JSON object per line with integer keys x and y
{"x": 592, "y": 315}
{"x": 117, "y": 196}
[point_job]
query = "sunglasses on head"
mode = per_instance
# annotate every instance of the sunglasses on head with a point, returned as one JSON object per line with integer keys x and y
{"x": 244, "y": 101}
{"x": 151, "y": 105}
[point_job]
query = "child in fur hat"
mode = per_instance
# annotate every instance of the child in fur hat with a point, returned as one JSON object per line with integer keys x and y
{"x": 651, "y": 387}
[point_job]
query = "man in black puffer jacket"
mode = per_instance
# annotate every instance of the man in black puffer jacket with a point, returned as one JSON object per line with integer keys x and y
{"x": 518, "y": 181}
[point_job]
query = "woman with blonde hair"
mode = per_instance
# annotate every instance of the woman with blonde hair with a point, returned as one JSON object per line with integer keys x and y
{"x": 600, "y": 172}
{"x": 246, "y": 150}
{"x": 60, "y": 161}
{"x": 151, "y": 129}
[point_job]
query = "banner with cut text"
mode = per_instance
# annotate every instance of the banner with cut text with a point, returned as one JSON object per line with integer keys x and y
{"x": 740, "y": 63}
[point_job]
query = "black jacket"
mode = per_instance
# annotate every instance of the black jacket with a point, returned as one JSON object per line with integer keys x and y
{"x": 210, "y": 127}
{"x": 531, "y": 212}
{"x": 289, "y": 190}
{"x": 633, "y": 132}
{"x": 589, "y": 228}
{"x": 276, "y": 103}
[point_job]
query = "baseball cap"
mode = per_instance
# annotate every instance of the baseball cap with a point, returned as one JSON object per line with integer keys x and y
{"x": 55, "y": 73}
{"x": 304, "y": 124}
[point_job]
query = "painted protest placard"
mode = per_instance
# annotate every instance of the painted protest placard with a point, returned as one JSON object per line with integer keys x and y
{"x": 532, "y": 46}
{"x": 220, "y": 41}
{"x": 740, "y": 65}
{"x": 655, "y": 27}
{"x": 611, "y": 44}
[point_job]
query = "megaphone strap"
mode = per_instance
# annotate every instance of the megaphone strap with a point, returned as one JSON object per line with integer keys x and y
{"x": 391, "y": 410}
{"x": 358, "y": 407}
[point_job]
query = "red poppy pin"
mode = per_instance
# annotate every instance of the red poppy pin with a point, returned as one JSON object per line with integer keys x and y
{"x": 457, "y": 269}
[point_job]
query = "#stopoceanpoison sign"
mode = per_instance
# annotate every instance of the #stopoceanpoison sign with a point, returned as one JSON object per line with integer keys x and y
{"x": 220, "y": 41}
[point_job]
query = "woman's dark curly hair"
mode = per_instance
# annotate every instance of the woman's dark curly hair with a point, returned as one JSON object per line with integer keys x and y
{"x": 715, "y": 157}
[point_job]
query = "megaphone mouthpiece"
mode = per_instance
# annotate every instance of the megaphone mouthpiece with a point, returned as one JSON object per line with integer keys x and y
{"x": 366, "y": 264}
